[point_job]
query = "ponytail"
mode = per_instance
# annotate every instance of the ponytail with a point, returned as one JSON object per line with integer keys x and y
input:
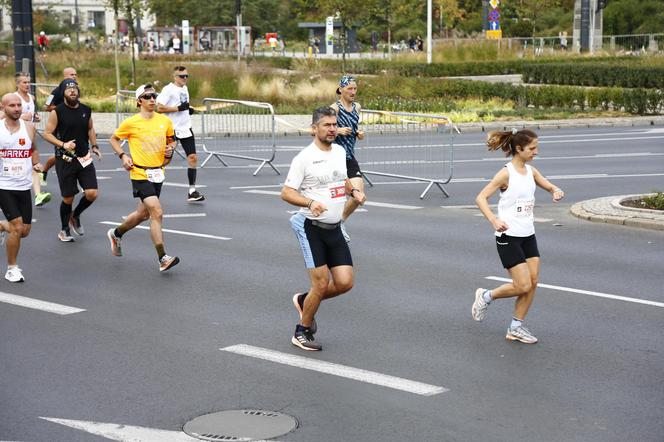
{"x": 508, "y": 141}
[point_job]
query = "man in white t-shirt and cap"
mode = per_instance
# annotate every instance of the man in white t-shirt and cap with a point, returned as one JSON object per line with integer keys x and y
{"x": 174, "y": 102}
{"x": 317, "y": 182}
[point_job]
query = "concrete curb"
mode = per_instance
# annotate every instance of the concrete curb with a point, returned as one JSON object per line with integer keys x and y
{"x": 608, "y": 210}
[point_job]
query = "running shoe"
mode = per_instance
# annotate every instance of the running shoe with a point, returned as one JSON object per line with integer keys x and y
{"x": 195, "y": 196}
{"x": 521, "y": 334}
{"x": 298, "y": 301}
{"x": 14, "y": 274}
{"x": 343, "y": 231}
{"x": 304, "y": 339}
{"x": 75, "y": 224}
{"x": 3, "y": 237}
{"x": 166, "y": 262}
{"x": 42, "y": 198}
{"x": 478, "y": 311}
{"x": 65, "y": 236}
{"x": 116, "y": 249}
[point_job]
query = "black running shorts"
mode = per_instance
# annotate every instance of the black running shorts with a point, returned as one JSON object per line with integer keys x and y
{"x": 514, "y": 250}
{"x": 71, "y": 174}
{"x": 320, "y": 246}
{"x": 353, "y": 168}
{"x": 188, "y": 144}
{"x": 15, "y": 203}
{"x": 144, "y": 188}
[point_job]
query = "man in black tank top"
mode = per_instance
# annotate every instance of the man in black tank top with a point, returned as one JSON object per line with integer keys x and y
{"x": 70, "y": 130}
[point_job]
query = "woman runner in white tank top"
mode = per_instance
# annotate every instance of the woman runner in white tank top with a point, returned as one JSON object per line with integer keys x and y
{"x": 514, "y": 228}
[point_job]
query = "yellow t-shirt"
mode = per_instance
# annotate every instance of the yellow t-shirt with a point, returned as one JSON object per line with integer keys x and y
{"x": 147, "y": 141}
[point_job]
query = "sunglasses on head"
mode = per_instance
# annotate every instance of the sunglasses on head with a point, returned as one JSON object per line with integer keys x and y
{"x": 149, "y": 96}
{"x": 183, "y": 75}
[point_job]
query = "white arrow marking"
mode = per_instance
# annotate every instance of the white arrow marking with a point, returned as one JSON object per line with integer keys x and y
{"x": 124, "y": 433}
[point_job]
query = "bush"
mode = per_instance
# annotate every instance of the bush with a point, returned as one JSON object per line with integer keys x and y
{"x": 594, "y": 74}
{"x": 655, "y": 201}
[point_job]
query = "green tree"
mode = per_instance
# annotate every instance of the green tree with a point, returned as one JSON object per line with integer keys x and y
{"x": 633, "y": 17}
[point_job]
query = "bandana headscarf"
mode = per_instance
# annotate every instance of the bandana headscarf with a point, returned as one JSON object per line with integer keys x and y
{"x": 345, "y": 81}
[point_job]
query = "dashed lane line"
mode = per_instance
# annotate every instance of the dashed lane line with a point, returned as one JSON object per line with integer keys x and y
{"x": 368, "y": 203}
{"x": 587, "y": 292}
{"x": 331, "y": 368}
{"x": 37, "y": 304}
{"x": 178, "y": 232}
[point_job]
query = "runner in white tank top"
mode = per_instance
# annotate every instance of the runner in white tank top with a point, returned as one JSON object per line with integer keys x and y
{"x": 29, "y": 113}
{"x": 18, "y": 158}
{"x": 514, "y": 228}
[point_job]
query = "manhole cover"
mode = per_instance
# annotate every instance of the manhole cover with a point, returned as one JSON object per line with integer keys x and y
{"x": 240, "y": 425}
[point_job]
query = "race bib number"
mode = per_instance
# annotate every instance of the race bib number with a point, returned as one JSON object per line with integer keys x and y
{"x": 86, "y": 160}
{"x": 155, "y": 175}
{"x": 524, "y": 208}
{"x": 337, "y": 191}
{"x": 183, "y": 133}
{"x": 13, "y": 167}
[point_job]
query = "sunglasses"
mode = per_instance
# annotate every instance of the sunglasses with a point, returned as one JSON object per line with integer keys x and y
{"x": 183, "y": 76}
{"x": 150, "y": 96}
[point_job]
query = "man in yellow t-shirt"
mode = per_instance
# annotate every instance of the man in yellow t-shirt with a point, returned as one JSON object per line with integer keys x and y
{"x": 151, "y": 145}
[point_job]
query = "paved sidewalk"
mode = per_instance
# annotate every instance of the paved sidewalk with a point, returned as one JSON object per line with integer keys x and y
{"x": 608, "y": 210}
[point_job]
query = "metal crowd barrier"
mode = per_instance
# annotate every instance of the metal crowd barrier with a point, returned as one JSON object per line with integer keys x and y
{"x": 416, "y": 147}
{"x": 243, "y": 130}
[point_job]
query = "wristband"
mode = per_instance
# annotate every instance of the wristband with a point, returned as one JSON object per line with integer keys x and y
{"x": 121, "y": 154}
{"x": 310, "y": 203}
{"x": 557, "y": 189}
{"x": 354, "y": 190}
{"x": 94, "y": 146}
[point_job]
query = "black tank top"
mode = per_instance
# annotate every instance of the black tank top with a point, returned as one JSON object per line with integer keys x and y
{"x": 73, "y": 125}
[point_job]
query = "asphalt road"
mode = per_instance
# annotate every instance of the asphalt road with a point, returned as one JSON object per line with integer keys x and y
{"x": 145, "y": 352}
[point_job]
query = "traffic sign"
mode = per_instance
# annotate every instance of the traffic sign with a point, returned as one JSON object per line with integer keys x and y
{"x": 494, "y": 15}
{"x": 494, "y": 3}
{"x": 494, "y": 25}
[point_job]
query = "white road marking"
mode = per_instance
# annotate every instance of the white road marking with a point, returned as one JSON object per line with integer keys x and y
{"x": 336, "y": 370}
{"x": 537, "y": 220}
{"x": 567, "y": 177}
{"x": 263, "y": 192}
{"x": 104, "y": 178}
{"x": 182, "y": 185}
{"x": 268, "y": 186}
{"x": 36, "y": 304}
{"x": 124, "y": 433}
{"x": 587, "y": 292}
{"x": 390, "y": 205}
{"x": 368, "y": 203}
{"x": 179, "y": 232}
{"x": 184, "y": 215}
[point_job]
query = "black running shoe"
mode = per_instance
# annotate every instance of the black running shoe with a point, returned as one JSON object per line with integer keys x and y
{"x": 298, "y": 301}
{"x": 195, "y": 196}
{"x": 304, "y": 339}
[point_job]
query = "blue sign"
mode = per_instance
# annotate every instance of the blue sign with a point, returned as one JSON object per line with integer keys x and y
{"x": 494, "y": 15}
{"x": 494, "y": 25}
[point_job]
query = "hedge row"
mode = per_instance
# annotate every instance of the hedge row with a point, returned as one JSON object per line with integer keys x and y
{"x": 595, "y": 74}
{"x": 634, "y": 101}
{"x": 413, "y": 69}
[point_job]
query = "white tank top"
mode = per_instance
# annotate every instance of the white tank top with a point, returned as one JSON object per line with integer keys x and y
{"x": 516, "y": 204}
{"x": 15, "y": 158}
{"x": 28, "y": 106}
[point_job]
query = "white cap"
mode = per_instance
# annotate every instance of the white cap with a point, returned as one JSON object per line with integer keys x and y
{"x": 42, "y": 33}
{"x": 141, "y": 89}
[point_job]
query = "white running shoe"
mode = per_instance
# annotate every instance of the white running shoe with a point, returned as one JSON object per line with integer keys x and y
{"x": 14, "y": 274}
{"x": 478, "y": 310}
{"x": 116, "y": 248}
{"x": 64, "y": 236}
{"x": 166, "y": 262}
{"x": 521, "y": 334}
